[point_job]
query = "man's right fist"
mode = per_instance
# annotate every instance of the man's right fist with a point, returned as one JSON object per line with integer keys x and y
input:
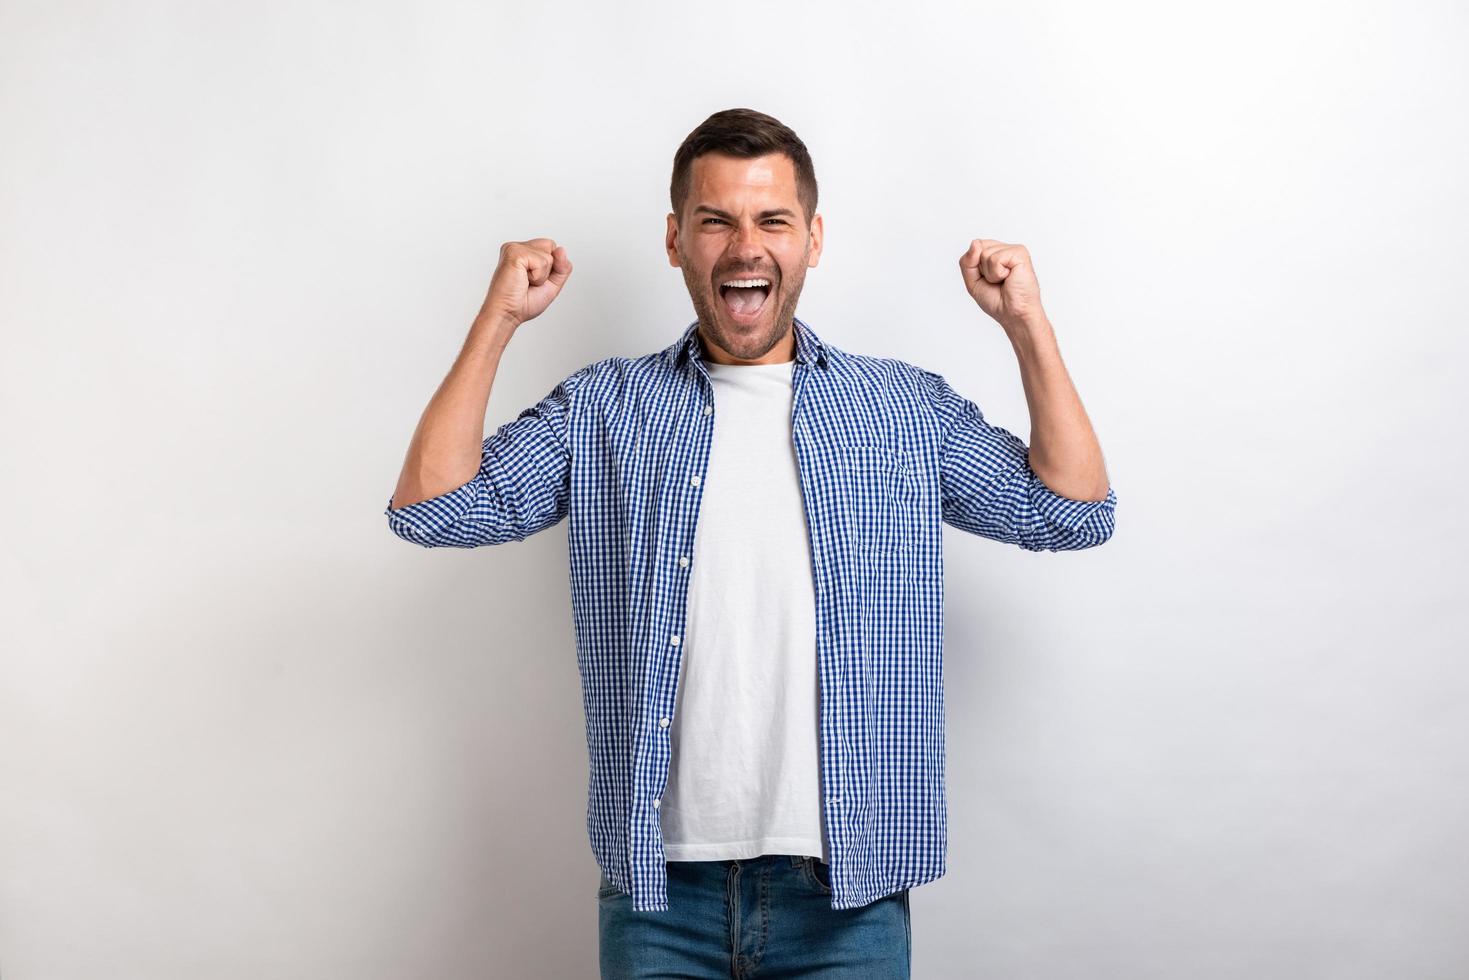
{"x": 528, "y": 278}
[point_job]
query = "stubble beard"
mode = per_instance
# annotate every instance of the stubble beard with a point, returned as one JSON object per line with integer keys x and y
{"x": 738, "y": 342}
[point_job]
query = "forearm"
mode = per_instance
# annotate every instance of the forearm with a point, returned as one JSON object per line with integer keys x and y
{"x": 1064, "y": 451}
{"x": 445, "y": 450}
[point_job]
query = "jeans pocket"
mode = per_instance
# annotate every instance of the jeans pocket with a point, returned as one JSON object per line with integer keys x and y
{"x": 818, "y": 872}
{"x": 605, "y": 888}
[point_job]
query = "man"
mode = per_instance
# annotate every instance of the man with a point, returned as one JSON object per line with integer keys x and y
{"x": 755, "y": 534}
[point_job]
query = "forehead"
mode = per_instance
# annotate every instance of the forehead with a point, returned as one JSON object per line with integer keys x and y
{"x": 716, "y": 176}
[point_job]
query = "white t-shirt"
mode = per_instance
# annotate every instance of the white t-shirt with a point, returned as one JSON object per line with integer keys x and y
{"x": 744, "y": 779}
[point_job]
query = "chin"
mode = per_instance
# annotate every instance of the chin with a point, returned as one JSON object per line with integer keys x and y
{"x": 745, "y": 341}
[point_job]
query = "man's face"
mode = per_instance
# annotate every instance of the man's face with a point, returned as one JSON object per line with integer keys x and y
{"x": 741, "y": 221}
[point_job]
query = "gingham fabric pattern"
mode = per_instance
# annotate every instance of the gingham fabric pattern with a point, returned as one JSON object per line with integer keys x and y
{"x": 887, "y": 454}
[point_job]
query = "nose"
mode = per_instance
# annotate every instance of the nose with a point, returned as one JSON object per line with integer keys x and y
{"x": 745, "y": 246}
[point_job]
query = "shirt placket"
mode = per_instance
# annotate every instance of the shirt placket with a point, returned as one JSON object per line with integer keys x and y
{"x": 690, "y": 460}
{"x": 828, "y": 666}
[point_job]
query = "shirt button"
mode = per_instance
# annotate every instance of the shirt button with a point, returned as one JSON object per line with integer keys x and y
{"x": 708, "y": 409}
{"x": 694, "y": 479}
{"x": 663, "y": 722}
{"x": 683, "y": 561}
{"x": 657, "y": 804}
{"x": 673, "y": 639}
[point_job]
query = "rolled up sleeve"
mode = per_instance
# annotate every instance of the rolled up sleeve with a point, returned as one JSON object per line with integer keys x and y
{"x": 989, "y": 489}
{"x": 523, "y": 484}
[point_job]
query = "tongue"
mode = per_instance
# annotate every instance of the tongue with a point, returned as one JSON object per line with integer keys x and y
{"x": 744, "y": 300}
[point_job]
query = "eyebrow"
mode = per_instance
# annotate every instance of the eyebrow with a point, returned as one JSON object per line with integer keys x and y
{"x": 773, "y": 213}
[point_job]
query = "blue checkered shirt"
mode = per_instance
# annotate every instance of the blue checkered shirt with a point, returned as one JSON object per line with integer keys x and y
{"x": 887, "y": 454}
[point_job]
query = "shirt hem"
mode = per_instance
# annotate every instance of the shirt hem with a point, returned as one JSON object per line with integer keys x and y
{"x": 743, "y": 850}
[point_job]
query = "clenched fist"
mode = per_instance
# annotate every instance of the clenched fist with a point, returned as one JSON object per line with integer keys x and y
{"x": 1001, "y": 279}
{"x": 530, "y": 275}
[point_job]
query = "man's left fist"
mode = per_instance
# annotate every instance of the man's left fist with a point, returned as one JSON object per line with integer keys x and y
{"x": 1000, "y": 278}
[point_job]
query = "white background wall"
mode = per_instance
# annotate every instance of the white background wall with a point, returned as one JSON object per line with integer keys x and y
{"x": 246, "y": 732}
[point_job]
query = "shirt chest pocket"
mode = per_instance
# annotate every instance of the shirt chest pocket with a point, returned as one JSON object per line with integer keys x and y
{"x": 880, "y": 498}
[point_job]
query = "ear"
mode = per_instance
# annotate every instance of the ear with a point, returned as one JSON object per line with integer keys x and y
{"x": 670, "y": 240}
{"x": 816, "y": 235}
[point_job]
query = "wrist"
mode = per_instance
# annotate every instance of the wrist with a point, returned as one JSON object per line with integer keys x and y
{"x": 1026, "y": 333}
{"x": 493, "y": 330}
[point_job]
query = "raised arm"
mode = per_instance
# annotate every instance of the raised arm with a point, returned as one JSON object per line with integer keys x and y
{"x": 1053, "y": 495}
{"x": 450, "y": 468}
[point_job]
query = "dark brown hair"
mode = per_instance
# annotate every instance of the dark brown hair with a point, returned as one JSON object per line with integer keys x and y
{"x": 743, "y": 133}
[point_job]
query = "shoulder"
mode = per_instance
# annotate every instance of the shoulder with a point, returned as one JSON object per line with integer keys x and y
{"x": 617, "y": 372}
{"x": 890, "y": 374}
{"x": 609, "y": 383}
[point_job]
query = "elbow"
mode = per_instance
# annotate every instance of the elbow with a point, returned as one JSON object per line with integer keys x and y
{"x": 413, "y": 535}
{"x": 1092, "y": 535}
{"x": 1074, "y": 528}
{"x": 432, "y": 523}
{"x": 1065, "y": 539}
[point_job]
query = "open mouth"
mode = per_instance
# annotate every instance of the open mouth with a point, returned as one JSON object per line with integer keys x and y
{"x": 745, "y": 299}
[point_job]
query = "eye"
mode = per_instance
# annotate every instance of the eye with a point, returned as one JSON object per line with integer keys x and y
{"x": 779, "y": 221}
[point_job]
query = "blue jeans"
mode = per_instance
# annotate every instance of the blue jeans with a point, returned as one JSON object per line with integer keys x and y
{"x": 768, "y": 917}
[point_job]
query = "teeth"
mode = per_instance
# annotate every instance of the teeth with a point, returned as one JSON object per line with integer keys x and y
{"x": 748, "y": 282}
